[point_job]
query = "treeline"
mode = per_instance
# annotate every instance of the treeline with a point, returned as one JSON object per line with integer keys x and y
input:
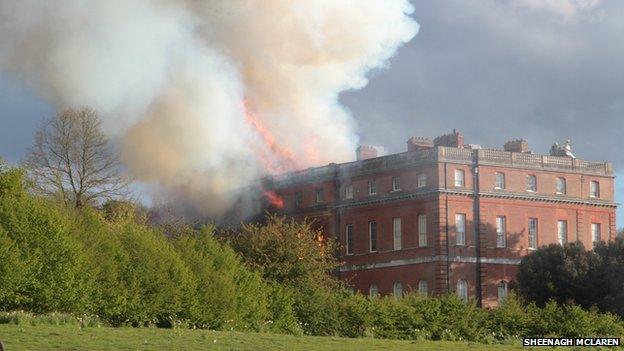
{"x": 571, "y": 274}
{"x": 110, "y": 263}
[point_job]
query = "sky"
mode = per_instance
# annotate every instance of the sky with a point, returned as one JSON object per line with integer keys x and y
{"x": 543, "y": 70}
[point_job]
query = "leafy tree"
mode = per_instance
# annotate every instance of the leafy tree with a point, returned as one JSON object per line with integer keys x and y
{"x": 557, "y": 272}
{"x": 71, "y": 159}
{"x": 287, "y": 251}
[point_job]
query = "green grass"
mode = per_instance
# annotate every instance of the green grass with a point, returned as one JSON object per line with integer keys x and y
{"x": 72, "y": 337}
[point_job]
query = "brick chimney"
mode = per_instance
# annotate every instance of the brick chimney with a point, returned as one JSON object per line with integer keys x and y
{"x": 455, "y": 139}
{"x": 365, "y": 152}
{"x": 419, "y": 143}
{"x": 519, "y": 145}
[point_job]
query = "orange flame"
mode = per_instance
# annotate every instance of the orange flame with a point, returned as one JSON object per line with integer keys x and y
{"x": 274, "y": 199}
{"x": 281, "y": 159}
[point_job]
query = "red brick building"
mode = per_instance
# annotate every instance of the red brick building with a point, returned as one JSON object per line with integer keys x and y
{"x": 449, "y": 217}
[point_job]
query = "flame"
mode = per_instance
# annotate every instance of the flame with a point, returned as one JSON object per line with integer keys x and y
{"x": 279, "y": 159}
{"x": 274, "y": 199}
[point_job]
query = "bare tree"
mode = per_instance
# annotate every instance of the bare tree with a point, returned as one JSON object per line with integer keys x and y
{"x": 71, "y": 159}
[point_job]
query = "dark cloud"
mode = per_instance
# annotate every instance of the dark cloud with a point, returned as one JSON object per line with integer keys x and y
{"x": 498, "y": 70}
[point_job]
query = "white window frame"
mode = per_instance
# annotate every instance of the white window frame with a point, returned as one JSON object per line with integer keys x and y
{"x": 460, "y": 178}
{"x": 349, "y": 239}
{"x": 372, "y": 224}
{"x": 373, "y": 291}
{"x": 298, "y": 199}
{"x": 397, "y": 289}
{"x": 501, "y": 232}
{"x": 562, "y": 186}
{"x": 396, "y": 183}
{"x": 499, "y": 180}
{"x": 594, "y": 189}
{"x": 531, "y": 183}
{"x": 422, "y": 230}
{"x": 372, "y": 188}
{"x": 422, "y": 180}
{"x": 396, "y": 233}
{"x": 596, "y": 233}
{"x": 532, "y": 233}
{"x": 562, "y": 232}
{"x": 503, "y": 291}
{"x": 423, "y": 288}
{"x": 349, "y": 192}
{"x": 462, "y": 290}
{"x": 319, "y": 195}
{"x": 460, "y": 229}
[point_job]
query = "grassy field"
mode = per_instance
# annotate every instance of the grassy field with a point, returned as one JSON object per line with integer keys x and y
{"x": 69, "y": 337}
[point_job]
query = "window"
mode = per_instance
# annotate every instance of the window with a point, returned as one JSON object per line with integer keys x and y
{"x": 349, "y": 239}
{"x": 562, "y": 232}
{"x": 499, "y": 182}
{"x": 422, "y": 230}
{"x": 372, "y": 187}
{"x": 349, "y": 192}
{"x": 595, "y": 233}
{"x": 396, "y": 183}
{"x": 594, "y": 189}
{"x": 501, "y": 231}
{"x": 459, "y": 177}
{"x": 298, "y": 199}
{"x": 460, "y": 228}
{"x": 372, "y": 235}
{"x": 532, "y": 233}
{"x": 396, "y": 233}
{"x": 398, "y": 289}
{"x": 319, "y": 195}
{"x": 502, "y": 291}
{"x": 422, "y": 180}
{"x": 423, "y": 288}
{"x": 561, "y": 186}
{"x": 531, "y": 183}
{"x": 462, "y": 290}
{"x": 373, "y": 291}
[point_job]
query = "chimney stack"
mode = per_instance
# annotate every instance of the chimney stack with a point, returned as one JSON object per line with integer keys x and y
{"x": 365, "y": 152}
{"x": 419, "y": 143}
{"x": 519, "y": 145}
{"x": 455, "y": 139}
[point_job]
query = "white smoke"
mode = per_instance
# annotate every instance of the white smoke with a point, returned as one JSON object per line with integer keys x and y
{"x": 189, "y": 87}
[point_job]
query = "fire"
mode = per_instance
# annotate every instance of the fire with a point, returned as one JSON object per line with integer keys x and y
{"x": 274, "y": 199}
{"x": 280, "y": 159}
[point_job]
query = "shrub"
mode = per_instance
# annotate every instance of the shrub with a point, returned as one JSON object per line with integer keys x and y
{"x": 38, "y": 245}
{"x": 226, "y": 292}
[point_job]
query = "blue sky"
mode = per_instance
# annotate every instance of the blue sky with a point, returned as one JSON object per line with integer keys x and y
{"x": 496, "y": 70}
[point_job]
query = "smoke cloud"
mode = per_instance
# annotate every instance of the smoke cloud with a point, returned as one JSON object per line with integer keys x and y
{"x": 204, "y": 97}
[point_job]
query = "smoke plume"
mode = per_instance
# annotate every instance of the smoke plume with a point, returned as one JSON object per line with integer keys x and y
{"x": 204, "y": 97}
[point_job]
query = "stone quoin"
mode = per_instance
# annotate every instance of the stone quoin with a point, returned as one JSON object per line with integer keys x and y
{"x": 448, "y": 217}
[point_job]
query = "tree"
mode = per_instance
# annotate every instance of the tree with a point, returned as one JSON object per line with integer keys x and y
{"x": 287, "y": 252}
{"x": 71, "y": 159}
{"x": 558, "y": 272}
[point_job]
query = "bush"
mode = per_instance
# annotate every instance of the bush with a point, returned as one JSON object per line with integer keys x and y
{"x": 44, "y": 262}
{"x": 226, "y": 292}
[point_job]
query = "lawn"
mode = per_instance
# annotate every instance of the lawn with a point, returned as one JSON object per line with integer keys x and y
{"x": 70, "y": 337}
